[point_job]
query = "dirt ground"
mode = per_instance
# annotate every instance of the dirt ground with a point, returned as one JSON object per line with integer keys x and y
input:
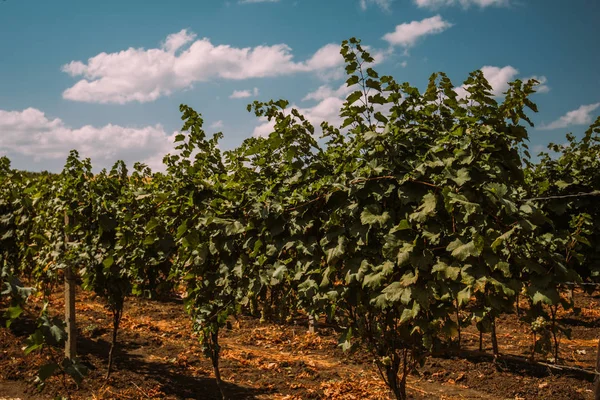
{"x": 160, "y": 358}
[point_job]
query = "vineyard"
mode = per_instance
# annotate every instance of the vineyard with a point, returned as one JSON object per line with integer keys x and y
{"x": 416, "y": 237}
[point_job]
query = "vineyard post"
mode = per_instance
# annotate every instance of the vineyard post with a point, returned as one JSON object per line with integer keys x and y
{"x": 312, "y": 323}
{"x": 597, "y": 379}
{"x": 458, "y": 323}
{"x": 70, "y": 344}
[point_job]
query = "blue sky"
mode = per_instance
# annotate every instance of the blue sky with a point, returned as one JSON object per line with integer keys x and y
{"x": 107, "y": 77}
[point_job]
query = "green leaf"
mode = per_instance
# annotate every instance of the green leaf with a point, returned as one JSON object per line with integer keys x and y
{"x": 58, "y": 333}
{"x": 409, "y": 278}
{"x": 34, "y": 341}
{"x": 182, "y": 230}
{"x": 462, "y": 251}
{"x": 336, "y": 252}
{"x": 402, "y": 225}
{"x": 192, "y": 240}
{"x": 370, "y": 135}
{"x": 397, "y": 292}
{"x": 404, "y": 253}
{"x": 448, "y": 271}
{"x": 504, "y": 267}
{"x": 46, "y": 371}
{"x": 407, "y": 315}
{"x": 279, "y": 273}
{"x": 108, "y": 261}
{"x": 351, "y": 99}
{"x": 426, "y": 209}
{"x": 545, "y": 296}
{"x": 12, "y": 313}
{"x": 380, "y": 117}
{"x": 75, "y": 370}
{"x": 462, "y": 176}
{"x": 153, "y": 223}
{"x": 500, "y": 239}
{"x": 234, "y": 228}
{"x": 464, "y": 296}
{"x": 372, "y": 281}
{"x": 353, "y": 80}
{"x": 371, "y": 216}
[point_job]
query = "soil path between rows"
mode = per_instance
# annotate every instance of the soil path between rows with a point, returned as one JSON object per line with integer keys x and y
{"x": 159, "y": 357}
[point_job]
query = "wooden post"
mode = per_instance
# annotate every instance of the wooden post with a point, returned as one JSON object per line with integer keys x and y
{"x": 597, "y": 379}
{"x": 572, "y": 294}
{"x": 312, "y": 323}
{"x": 71, "y": 328}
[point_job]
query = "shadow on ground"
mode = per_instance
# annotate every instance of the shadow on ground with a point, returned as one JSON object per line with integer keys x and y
{"x": 175, "y": 381}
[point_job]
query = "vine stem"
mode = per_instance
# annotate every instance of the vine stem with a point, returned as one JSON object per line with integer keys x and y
{"x": 354, "y": 182}
{"x": 566, "y": 196}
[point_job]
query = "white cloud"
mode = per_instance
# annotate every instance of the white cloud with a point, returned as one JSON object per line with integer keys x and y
{"x": 36, "y": 137}
{"x": 265, "y": 128}
{"x": 175, "y": 41}
{"x": 325, "y": 58}
{"x": 581, "y": 116}
{"x": 461, "y": 91}
{"x": 436, "y": 4}
{"x": 407, "y": 34}
{"x": 242, "y": 94}
{"x": 325, "y": 91}
{"x": 403, "y": 64}
{"x": 498, "y": 78}
{"x": 383, "y": 4}
{"x": 145, "y": 75}
{"x": 217, "y": 124}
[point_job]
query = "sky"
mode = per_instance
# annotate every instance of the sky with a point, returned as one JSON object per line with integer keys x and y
{"x": 107, "y": 77}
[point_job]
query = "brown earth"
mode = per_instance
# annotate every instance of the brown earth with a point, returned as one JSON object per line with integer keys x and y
{"x": 160, "y": 358}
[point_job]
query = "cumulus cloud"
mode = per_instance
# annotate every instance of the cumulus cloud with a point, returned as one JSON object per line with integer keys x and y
{"x": 436, "y": 4}
{"x": 406, "y": 35}
{"x": 498, "y": 78}
{"x": 383, "y": 4}
{"x": 144, "y": 75}
{"x": 326, "y": 91}
{"x": 33, "y": 135}
{"x": 242, "y": 94}
{"x": 580, "y": 116}
{"x": 325, "y": 58}
{"x": 175, "y": 41}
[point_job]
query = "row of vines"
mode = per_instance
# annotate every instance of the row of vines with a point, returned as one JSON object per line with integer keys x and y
{"x": 420, "y": 215}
